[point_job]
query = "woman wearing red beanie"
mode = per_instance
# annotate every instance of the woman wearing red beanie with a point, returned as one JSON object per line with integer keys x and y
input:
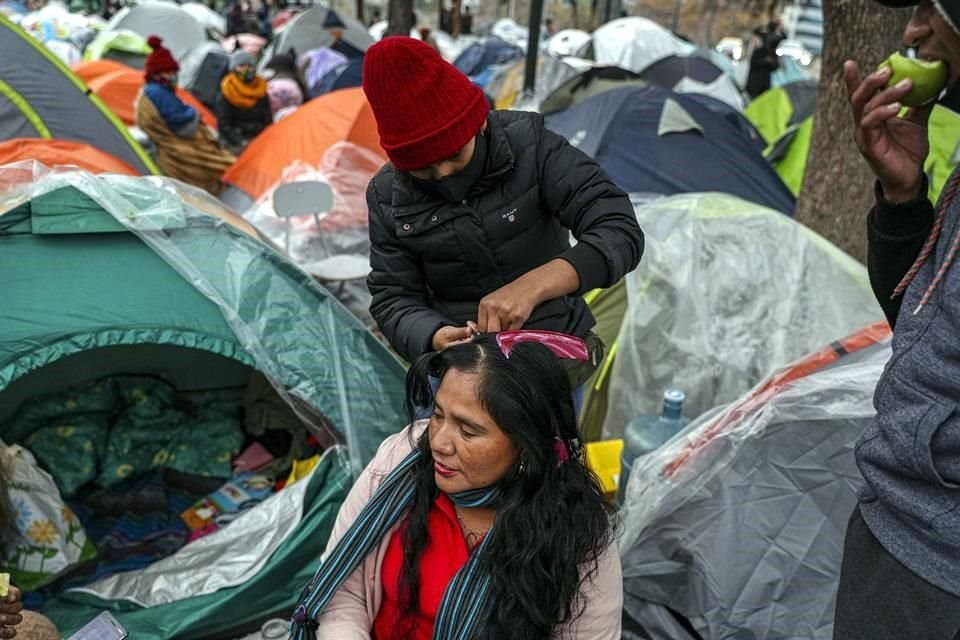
{"x": 185, "y": 149}
{"x": 470, "y": 221}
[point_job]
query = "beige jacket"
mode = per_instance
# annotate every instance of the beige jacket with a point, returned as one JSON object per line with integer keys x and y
{"x": 351, "y": 612}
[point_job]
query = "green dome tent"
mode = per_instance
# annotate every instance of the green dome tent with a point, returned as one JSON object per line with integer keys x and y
{"x": 124, "y": 46}
{"x": 41, "y": 98}
{"x": 784, "y": 117}
{"x": 110, "y": 275}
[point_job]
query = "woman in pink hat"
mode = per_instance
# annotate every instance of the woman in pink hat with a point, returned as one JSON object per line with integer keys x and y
{"x": 470, "y": 222}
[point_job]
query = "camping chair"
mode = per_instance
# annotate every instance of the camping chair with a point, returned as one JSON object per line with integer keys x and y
{"x": 316, "y": 198}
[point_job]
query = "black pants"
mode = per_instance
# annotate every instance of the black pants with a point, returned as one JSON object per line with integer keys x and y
{"x": 880, "y": 599}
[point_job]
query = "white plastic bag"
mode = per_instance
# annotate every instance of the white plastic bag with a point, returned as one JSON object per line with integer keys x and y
{"x": 49, "y": 539}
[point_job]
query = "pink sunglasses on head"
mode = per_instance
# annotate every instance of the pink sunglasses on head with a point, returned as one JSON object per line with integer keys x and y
{"x": 561, "y": 344}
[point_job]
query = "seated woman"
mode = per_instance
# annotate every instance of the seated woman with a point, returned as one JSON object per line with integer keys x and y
{"x": 285, "y": 84}
{"x": 243, "y": 108}
{"x": 482, "y": 522}
{"x": 185, "y": 148}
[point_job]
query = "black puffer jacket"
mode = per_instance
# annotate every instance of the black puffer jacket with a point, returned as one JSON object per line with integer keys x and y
{"x": 434, "y": 260}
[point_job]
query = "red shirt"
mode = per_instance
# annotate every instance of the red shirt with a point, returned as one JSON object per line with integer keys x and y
{"x": 445, "y": 553}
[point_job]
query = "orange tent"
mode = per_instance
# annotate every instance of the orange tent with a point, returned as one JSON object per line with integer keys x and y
{"x": 62, "y": 152}
{"x": 118, "y": 85}
{"x": 339, "y": 116}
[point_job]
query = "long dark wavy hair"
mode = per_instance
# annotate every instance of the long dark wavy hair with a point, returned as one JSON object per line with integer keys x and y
{"x": 551, "y": 520}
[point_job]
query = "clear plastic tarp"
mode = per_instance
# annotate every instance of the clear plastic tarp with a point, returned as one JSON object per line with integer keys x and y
{"x": 313, "y": 240}
{"x": 226, "y": 558}
{"x": 727, "y": 292}
{"x": 737, "y": 523}
{"x": 325, "y": 364}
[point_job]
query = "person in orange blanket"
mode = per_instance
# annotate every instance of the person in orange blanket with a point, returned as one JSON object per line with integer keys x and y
{"x": 243, "y": 110}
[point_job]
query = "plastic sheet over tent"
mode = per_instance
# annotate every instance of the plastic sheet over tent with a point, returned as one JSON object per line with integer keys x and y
{"x": 675, "y": 132}
{"x": 53, "y": 153}
{"x": 305, "y": 136}
{"x": 266, "y": 312}
{"x": 41, "y": 98}
{"x": 737, "y": 523}
{"x": 635, "y": 43}
{"x": 314, "y": 242}
{"x": 180, "y": 31}
{"x": 251, "y": 587}
{"x": 727, "y": 292}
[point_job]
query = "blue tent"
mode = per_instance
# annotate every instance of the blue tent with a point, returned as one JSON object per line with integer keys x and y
{"x": 480, "y": 56}
{"x": 343, "y": 77}
{"x": 653, "y": 141}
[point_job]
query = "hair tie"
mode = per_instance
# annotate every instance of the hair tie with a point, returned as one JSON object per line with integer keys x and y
{"x": 561, "y": 449}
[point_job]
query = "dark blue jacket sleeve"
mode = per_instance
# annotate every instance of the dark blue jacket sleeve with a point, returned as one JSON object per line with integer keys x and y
{"x": 174, "y": 111}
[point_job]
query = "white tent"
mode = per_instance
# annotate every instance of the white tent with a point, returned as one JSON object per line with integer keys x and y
{"x": 210, "y": 19}
{"x": 180, "y": 31}
{"x": 569, "y": 42}
{"x": 634, "y": 43}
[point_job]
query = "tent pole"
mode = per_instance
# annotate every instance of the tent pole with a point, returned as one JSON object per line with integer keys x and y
{"x": 533, "y": 46}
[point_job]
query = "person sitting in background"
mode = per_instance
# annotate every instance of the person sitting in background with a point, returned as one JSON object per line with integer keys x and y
{"x": 481, "y": 522}
{"x": 185, "y": 148}
{"x": 285, "y": 85}
{"x": 243, "y": 109}
{"x": 161, "y": 76}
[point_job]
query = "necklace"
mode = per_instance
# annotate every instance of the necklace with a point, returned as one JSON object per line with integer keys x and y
{"x": 472, "y": 536}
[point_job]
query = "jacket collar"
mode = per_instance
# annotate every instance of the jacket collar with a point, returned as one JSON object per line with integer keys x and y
{"x": 500, "y": 160}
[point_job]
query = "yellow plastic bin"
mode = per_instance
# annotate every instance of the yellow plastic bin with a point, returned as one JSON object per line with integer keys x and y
{"x": 603, "y": 458}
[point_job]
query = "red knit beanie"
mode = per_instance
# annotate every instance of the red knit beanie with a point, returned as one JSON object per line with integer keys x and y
{"x": 426, "y": 110}
{"x": 160, "y": 59}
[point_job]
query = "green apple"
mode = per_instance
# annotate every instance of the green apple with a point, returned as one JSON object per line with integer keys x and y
{"x": 929, "y": 77}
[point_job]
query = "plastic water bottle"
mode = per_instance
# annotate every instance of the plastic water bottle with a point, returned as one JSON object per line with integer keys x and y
{"x": 645, "y": 434}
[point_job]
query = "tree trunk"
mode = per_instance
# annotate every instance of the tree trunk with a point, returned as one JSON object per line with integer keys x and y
{"x": 399, "y": 18}
{"x": 711, "y": 9}
{"x": 837, "y": 188}
{"x": 456, "y": 19}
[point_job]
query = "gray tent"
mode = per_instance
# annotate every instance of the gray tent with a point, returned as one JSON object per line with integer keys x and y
{"x": 41, "y": 98}
{"x": 312, "y": 29}
{"x": 734, "y": 528}
{"x": 202, "y": 70}
{"x": 180, "y": 31}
